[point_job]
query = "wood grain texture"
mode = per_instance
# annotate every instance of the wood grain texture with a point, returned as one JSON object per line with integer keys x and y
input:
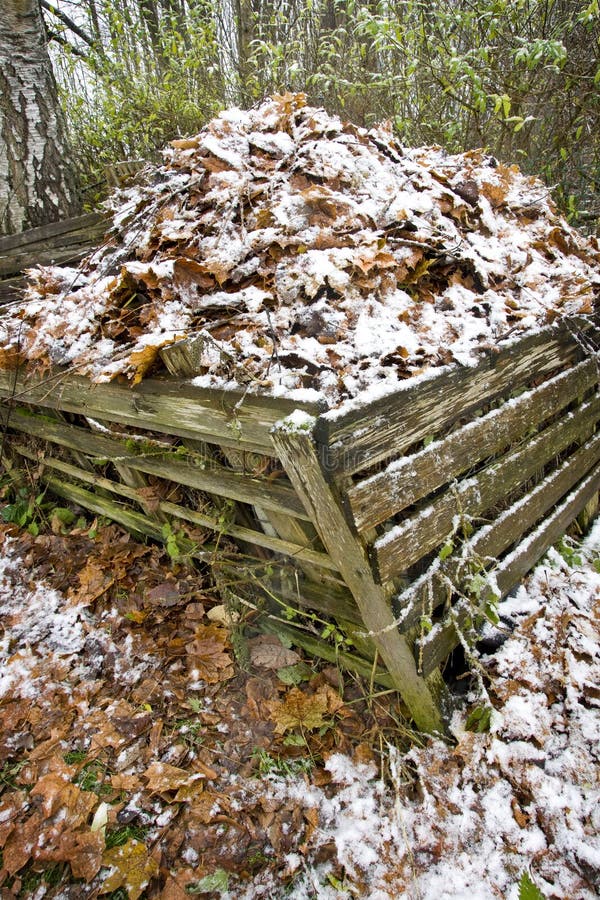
{"x": 407, "y": 480}
{"x": 440, "y": 642}
{"x": 170, "y": 406}
{"x": 130, "y": 492}
{"x": 191, "y": 470}
{"x": 491, "y": 541}
{"x": 383, "y": 429}
{"x": 45, "y": 232}
{"x": 424, "y": 531}
{"x": 297, "y": 451}
{"x": 56, "y": 243}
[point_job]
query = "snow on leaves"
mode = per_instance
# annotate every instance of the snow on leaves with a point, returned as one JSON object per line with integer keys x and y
{"x": 291, "y": 239}
{"x": 128, "y": 744}
{"x": 131, "y": 867}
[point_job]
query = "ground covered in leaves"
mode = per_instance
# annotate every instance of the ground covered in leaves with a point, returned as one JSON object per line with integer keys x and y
{"x": 131, "y": 743}
{"x": 137, "y": 759}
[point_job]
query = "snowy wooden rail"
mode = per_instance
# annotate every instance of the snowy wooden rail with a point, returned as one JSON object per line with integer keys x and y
{"x": 60, "y": 243}
{"x": 401, "y": 517}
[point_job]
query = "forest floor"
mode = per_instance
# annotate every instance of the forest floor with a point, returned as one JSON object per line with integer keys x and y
{"x": 138, "y": 758}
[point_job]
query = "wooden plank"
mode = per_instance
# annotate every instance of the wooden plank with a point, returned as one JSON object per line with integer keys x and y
{"x": 294, "y": 551}
{"x": 181, "y": 359}
{"x": 167, "y": 405}
{"x": 43, "y": 232}
{"x": 441, "y": 641}
{"x": 193, "y": 471}
{"x": 296, "y": 449}
{"x": 327, "y": 598}
{"x": 136, "y": 523}
{"x": 68, "y": 250}
{"x": 407, "y": 480}
{"x": 297, "y": 552}
{"x": 422, "y": 532}
{"x": 358, "y": 436}
{"x": 491, "y": 541}
{"x": 320, "y": 648}
{"x": 10, "y": 289}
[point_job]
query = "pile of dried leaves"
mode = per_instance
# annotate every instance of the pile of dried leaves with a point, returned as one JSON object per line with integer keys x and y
{"x": 309, "y": 255}
{"x": 130, "y": 742}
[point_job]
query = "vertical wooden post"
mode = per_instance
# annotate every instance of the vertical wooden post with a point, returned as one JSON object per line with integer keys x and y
{"x": 293, "y": 440}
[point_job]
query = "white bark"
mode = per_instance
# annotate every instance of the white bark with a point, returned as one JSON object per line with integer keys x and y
{"x": 37, "y": 181}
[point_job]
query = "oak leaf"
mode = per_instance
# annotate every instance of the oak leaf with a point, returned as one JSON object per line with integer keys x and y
{"x": 21, "y": 842}
{"x": 132, "y": 869}
{"x": 57, "y": 795}
{"x": 94, "y": 580}
{"x": 142, "y": 361}
{"x": 82, "y": 850}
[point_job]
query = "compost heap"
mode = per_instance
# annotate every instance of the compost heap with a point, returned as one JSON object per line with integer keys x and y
{"x": 313, "y": 257}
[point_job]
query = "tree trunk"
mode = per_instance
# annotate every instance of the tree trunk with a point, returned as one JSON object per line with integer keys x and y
{"x": 37, "y": 178}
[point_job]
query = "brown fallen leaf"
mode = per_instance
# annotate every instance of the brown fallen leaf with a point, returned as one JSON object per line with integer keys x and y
{"x": 20, "y": 844}
{"x": 94, "y": 580}
{"x": 83, "y": 851}
{"x": 299, "y": 711}
{"x": 208, "y": 654}
{"x": 60, "y": 796}
{"x": 268, "y": 652}
{"x": 163, "y": 778}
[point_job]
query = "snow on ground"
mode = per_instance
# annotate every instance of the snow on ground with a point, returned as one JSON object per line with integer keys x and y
{"x": 523, "y": 797}
{"x": 463, "y": 821}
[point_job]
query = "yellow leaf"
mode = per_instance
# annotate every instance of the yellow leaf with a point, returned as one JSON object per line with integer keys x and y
{"x": 132, "y": 869}
{"x": 141, "y": 361}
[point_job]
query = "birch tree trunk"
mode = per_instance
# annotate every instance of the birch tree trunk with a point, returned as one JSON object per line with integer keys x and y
{"x": 37, "y": 179}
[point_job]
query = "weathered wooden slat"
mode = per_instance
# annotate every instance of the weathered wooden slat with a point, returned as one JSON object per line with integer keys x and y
{"x": 409, "y": 479}
{"x": 77, "y": 237}
{"x": 437, "y": 645}
{"x": 212, "y": 479}
{"x": 45, "y": 232}
{"x": 421, "y": 533}
{"x": 169, "y": 406}
{"x": 491, "y": 541}
{"x": 136, "y": 523}
{"x": 181, "y": 359}
{"x": 358, "y": 436}
{"x": 298, "y": 552}
{"x": 10, "y": 289}
{"x": 294, "y": 551}
{"x": 324, "y": 597}
{"x": 323, "y": 650}
{"x": 68, "y": 251}
{"x": 297, "y": 451}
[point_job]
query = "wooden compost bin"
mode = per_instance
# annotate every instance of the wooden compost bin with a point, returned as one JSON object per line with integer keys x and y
{"x": 385, "y": 515}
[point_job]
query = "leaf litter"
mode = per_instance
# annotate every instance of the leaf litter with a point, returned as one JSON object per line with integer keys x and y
{"x": 124, "y": 769}
{"x": 308, "y": 257}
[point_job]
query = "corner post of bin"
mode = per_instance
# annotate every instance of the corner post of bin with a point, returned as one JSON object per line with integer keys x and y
{"x": 299, "y": 453}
